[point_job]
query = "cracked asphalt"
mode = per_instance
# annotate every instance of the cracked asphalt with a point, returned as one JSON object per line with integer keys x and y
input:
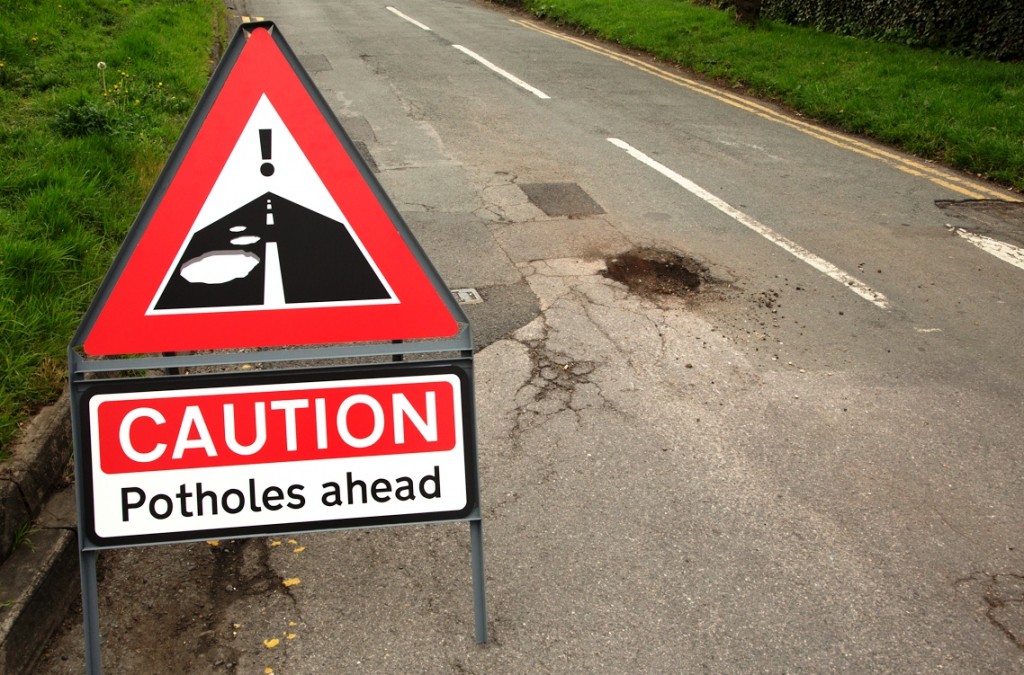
{"x": 770, "y": 474}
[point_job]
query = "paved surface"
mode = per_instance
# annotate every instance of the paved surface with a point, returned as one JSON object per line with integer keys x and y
{"x": 788, "y": 472}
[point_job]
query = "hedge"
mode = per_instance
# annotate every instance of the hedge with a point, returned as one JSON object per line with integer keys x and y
{"x": 989, "y": 28}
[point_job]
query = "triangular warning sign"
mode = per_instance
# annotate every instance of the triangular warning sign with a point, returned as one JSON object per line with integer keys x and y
{"x": 265, "y": 229}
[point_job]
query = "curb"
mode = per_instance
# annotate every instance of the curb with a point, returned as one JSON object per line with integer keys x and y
{"x": 37, "y": 578}
{"x": 39, "y": 459}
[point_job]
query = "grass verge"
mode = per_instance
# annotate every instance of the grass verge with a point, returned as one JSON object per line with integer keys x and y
{"x": 965, "y": 112}
{"x": 94, "y": 94}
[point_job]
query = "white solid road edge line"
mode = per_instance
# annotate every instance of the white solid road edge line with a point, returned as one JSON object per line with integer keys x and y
{"x": 504, "y": 73}
{"x": 407, "y": 18}
{"x": 1000, "y": 249}
{"x": 818, "y": 263}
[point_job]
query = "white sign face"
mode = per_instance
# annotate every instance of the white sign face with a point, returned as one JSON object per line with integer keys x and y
{"x": 259, "y": 457}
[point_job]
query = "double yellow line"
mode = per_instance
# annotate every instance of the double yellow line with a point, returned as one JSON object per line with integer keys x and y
{"x": 949, "y": 180}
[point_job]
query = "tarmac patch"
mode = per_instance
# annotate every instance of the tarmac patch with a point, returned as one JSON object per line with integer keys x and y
{"x": 561, "y": 199}
{"x": 315, "y": 63}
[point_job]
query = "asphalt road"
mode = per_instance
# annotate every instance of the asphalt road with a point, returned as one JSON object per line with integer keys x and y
{"x": 811, "y": 465}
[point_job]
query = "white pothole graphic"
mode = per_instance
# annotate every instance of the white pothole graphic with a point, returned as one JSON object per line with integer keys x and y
{"x": 242, "y": 241}
{"x": 219, "y": 267}
{"x": 238, "y": 228}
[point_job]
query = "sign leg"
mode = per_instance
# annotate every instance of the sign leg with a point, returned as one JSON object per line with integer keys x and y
{"x": 90, "y": 613}
{"x": 476, "y": 536}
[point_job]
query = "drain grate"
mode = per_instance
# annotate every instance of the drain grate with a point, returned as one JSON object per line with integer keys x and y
{"x": 561, "y": 199}
{"x": 467, "y": 296}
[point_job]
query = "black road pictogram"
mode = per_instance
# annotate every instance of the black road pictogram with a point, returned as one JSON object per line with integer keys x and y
{"x": 226, "y": 263}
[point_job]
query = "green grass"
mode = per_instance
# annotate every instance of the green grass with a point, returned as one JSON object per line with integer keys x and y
{"x": 79, "y": 150}
{"x": 23, "y": 536}
{"x": 964, "y": 112}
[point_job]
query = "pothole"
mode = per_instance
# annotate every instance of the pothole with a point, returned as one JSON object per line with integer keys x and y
{"x": 1001, "y": 209}
{"x": 651, "y": 272}
{"x": 1003, "y": 220}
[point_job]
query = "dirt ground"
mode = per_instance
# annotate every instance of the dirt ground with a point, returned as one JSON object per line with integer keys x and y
{"x": 178, "y": 606}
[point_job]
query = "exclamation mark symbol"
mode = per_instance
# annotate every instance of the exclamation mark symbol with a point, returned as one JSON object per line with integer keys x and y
{"x": 267, "y": 169}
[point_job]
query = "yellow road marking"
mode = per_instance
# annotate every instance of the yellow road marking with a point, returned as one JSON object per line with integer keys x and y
{"x": 251, "y": 19}
{"x": 948, "y": 180}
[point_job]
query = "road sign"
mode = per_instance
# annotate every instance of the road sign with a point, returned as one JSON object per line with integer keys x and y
{"x": 208, "y": 456}
{"x": 266, "y": 229}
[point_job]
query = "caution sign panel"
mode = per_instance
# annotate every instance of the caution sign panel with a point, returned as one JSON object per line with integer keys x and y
{"x": 214, "y": 456}
{"x": 266, "y": 229}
